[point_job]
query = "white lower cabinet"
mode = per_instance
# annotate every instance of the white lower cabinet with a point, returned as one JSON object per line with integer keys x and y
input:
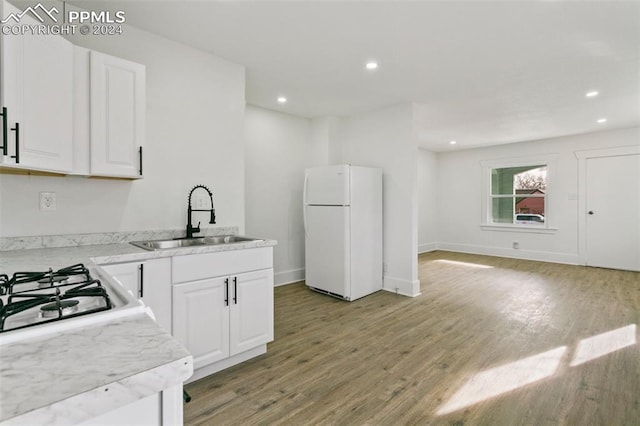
{"x": 223, "y": 306}
{"x": 219, "y": 305}
{"x": 221, "y": 317}
{"x": 160, "y": 409}
{"x": 201, "y": 319}
{"x": 150, "y": 281}
{"x": 146, "y": 411}
{"x": 251, "y": 311}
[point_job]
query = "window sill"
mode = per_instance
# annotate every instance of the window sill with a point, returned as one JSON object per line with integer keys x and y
{"x": 519, "y": 228}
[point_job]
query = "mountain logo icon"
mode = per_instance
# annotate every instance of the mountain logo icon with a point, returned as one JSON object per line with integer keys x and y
{"x": 38, "y": 11}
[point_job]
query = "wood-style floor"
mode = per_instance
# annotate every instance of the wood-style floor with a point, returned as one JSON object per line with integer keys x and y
{"x": 490, "y": 341}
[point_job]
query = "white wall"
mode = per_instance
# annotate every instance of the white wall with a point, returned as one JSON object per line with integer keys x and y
{"x": 459, "y": 197}
{"x": 278, "y": 149}
{"x": 325, "y": 141}
{"x": 427, "y": 201}
{"x": 384, "y": 138}
{"x": 195, "y": 108}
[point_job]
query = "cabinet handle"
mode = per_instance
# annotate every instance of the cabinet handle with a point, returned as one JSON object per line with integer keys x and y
{"x": 226, "y": 292}
{"x": 235, "y": 290}
{"x": 140, "y": 169}
{"x": 141, "y": 289}
{"x": 5, "y": 143}
{"x": 17, "y": 130}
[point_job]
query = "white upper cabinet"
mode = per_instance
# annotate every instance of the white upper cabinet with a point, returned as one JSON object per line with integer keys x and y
{"x": 117, "y": 114}
{"x": 37, "y": 87}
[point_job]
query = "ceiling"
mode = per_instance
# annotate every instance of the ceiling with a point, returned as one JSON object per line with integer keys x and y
{"x": 480, "y": 72}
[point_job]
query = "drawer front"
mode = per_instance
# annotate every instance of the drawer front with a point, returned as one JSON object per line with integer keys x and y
{"x": 208, "y": 265}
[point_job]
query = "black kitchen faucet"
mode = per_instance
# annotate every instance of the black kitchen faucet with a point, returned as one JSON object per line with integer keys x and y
{"x": 190, "y": 228}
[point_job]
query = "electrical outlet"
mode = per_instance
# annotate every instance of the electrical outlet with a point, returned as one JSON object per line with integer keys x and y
{"x": 516, "y": 245}
{"x": 385, "y": 266}
{"x": 48, "y": 202}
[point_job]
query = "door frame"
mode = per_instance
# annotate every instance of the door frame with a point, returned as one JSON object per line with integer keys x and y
{"x": 583, "y": 156}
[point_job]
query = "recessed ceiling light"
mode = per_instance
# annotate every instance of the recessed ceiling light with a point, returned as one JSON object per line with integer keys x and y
{"x": 282, "y": 99}
{"x": 592, "y": 94}
{"x": 371, "y": 65}
{"x": 602, "y": 120}
{"x": 452, "y": 142}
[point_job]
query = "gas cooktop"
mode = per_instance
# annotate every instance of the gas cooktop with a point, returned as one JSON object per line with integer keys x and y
{"x": 34, "y": 298}
{"x": 46, "y": 301}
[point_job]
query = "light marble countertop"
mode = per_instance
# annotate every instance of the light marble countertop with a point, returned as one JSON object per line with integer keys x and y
{"x": 44, "y": 258}
{"x": 81, "y": 373}
{"x": 66, "y": 378}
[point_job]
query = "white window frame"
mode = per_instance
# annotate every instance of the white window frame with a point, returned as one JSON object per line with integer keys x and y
{"x": 549, "y": 226}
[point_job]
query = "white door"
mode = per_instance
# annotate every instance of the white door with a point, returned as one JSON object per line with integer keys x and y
{"x": 201, "y": 319}
{"x": 327, "y": 186}
{"x": 327, "y": 248}
{"x": 251, "y": 310}
{"x": 613, "y": 212}
{"x": 117, "y": 116}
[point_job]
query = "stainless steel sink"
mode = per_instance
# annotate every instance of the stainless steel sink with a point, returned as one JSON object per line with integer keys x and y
{"x": 228, "y": 239}
{"x": 191, "y": 242}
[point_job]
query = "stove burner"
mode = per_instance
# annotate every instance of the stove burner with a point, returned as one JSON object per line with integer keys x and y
{"x": 34, "y": 298}
{"x": 61, "y": 308}
{"x": 53, "y": 280}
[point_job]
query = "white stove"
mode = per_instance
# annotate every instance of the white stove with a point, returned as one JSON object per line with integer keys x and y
{"x": 36, "y": 304}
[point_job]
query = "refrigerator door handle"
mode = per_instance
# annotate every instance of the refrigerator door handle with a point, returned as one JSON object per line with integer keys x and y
{"x": 304, "y": 203}
{"x": 304, "y": 189}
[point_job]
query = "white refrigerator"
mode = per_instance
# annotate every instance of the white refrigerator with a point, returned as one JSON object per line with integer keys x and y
{"x": 343, "y": 230}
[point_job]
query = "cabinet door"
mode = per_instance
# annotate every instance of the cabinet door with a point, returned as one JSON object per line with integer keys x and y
{"x": 201, "y": 319}
{"x": 117, "y": 116}
{"x": 155, "y": 289}
{"x": 145, "y": 411}
{"x": 251, "y": 310}
{"x": 127, "y": 274}
{"x": 150, "y": 281}
{"x": 37, "y": 88}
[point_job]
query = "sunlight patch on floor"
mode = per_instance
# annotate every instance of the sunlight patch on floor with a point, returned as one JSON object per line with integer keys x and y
{"x": 603, "y": 344}
{"x": 499, "y": 380}
{"x": 530, "y": 304}
{"x": 471, "y": 265}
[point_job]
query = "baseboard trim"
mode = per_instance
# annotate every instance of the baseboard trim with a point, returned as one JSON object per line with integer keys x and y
{"x": 400, "y": 286}
{"x": 288, "y": 277}
{"x": 540, "y": 256}
{"x": 427, "y": 247}
{"x": 226, "y": 363}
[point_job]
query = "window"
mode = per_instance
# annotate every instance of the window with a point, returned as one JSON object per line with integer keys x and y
{"x": 516, "y": 194}
{"x": 518, "y": 190}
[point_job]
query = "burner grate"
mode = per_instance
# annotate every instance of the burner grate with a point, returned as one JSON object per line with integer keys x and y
{"x": 53, "y": 298}
{"x": 49, "y": 278}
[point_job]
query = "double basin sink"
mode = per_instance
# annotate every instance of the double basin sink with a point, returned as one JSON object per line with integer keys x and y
{"x": 192, "y": 242}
